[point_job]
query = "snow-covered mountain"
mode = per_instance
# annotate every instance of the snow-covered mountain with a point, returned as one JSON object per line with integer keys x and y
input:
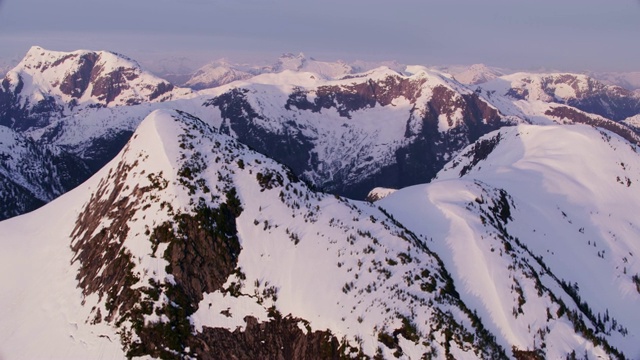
{"x": 578, "y": 91}
{"x": 41, "y": 102}
{"x": 537, "y": 226}
{"x": 216, "y": 74}
{"x": 203, "y": 237}
{"x": 627, "y": 80}
{"x": 49, "y": 84}
{"x": 223, "y": 72}
{"x": 472, "y": 75}
{"x": 326, "y": 69}
{"x": 190, "y": 244}
{"x": 378, "y": 128}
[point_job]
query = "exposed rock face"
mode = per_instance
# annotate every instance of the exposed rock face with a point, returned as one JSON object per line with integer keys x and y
{"x": 76, "y": 83}
{"x": 106, "y": 266}
{"x": 363, "y": 95}
{"x": 478, "y": 152}
{"x": 379, "y": 194}
{"x": 280, "y": 338}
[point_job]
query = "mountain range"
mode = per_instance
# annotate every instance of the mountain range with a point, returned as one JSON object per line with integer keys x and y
{"x": 229, "y": 222}
{"x": 182, "y": 71}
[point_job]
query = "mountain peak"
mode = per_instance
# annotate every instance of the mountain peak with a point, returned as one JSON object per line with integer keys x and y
{"x": 50, "y": 84}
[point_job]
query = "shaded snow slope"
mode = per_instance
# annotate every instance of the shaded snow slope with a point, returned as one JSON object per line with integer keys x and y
{"x": 32, "y": 174}
{"x": 538, "y": 239}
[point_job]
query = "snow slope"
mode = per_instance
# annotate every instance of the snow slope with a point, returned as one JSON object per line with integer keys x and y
{"x": 528, "y": 227}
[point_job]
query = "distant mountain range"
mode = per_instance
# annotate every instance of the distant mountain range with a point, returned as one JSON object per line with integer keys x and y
{"x": 181, "y": 71}
{"x": 166, "y": 222}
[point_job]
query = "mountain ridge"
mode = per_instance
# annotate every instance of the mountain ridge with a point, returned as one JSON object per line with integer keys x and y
{"x": 127, "y": 289}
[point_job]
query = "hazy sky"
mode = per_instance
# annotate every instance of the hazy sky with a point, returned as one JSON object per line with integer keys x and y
{"x": 524, "y": 34}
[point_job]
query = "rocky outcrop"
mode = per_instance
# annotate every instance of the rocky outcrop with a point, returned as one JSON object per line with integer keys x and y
{"x": 349, "y": 98}
{"x": 279, "y": 338}
{"x": 105, "y": 264}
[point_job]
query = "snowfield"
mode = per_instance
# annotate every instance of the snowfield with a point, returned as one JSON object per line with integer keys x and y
{"x": 576, "y": 216}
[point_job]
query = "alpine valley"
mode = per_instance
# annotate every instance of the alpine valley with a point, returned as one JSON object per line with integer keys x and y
{"x": 227, "y": 218}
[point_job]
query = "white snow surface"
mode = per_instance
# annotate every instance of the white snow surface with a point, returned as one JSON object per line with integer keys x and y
{"x": 40, "y": 301}
{"x": 576, "y": 215}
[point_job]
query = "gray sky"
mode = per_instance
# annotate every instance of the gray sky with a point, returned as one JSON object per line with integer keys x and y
{"x": 574, "y": 35}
